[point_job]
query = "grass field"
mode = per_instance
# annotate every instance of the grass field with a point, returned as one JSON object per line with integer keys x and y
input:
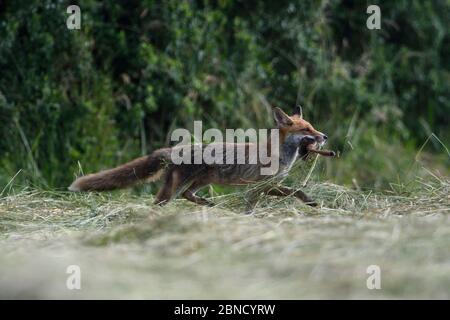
{"x": 73, "y": 102}
{"x": 127, "y": 247}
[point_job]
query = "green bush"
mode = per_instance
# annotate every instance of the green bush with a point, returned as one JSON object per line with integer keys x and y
{"x": 136, "y": 70}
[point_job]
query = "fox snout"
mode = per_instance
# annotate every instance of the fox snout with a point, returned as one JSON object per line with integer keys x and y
{"x": 321, "y": 138}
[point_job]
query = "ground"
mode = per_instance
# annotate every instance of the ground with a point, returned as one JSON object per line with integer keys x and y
{"x": 126, "y": 247}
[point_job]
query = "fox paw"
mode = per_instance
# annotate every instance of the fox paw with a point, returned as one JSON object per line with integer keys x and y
{"x": 249, "y": 211}
{"x": 311, "y": 203}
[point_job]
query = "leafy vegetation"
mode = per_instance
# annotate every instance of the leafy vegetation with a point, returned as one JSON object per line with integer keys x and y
{"x": 115, "y": 89}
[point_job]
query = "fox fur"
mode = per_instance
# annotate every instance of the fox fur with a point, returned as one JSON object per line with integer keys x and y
{"x": 297, "y": 138}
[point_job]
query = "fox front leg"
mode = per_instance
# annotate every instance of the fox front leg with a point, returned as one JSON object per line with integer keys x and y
{"x": 251, "y": 200}
{"x": 282, "y": 191}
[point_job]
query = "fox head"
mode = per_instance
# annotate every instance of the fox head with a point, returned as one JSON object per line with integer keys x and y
{"x": 295, "y": 124}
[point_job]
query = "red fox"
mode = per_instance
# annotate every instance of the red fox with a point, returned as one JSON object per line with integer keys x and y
{"x": 297, "y": 138}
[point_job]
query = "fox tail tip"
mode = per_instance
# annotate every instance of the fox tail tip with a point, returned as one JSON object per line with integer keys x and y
{"x": 74, "y": 187}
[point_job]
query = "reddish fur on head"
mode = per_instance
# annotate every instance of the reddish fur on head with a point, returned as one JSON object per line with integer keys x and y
{"x": 296, "y": 124}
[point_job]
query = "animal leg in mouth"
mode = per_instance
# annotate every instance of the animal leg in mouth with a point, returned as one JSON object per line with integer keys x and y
{"x": 325, "y": 153}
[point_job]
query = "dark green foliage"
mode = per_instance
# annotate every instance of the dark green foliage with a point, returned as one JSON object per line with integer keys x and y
{"x": 138, "y": 69}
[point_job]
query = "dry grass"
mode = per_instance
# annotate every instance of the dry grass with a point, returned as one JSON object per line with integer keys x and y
{"x": 129, "y": 248}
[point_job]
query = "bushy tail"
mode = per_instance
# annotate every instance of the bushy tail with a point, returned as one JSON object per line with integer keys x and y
{"x": 148, "y": 168}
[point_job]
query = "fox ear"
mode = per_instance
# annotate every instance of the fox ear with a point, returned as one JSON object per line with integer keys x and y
{"x": 298, "y": 111}
{"x": 281, "y": 118}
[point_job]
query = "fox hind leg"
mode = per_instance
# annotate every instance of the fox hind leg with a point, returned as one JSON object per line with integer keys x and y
{"x": 165, "y": 193}
{"x": 172, "y": 184}
{"x": 176, "y": 181}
